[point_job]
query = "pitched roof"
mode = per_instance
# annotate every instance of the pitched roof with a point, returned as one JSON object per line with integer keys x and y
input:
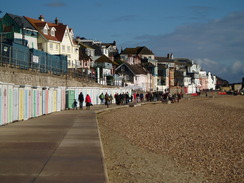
{"x": 135, "y": 69}
{"x": 84, "y": 46}
{"x": 109, "y": 44}
{"x": 163, "y": 59}
{"x": 104, "y": 59}
{"x": 183, "y": 61}
{"x": 21, "y": 21}
{"x": 60, "y": 29}
{"x": 138, "y": 50}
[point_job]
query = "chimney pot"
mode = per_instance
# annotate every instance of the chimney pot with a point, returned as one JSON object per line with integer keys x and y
{"x": 41, "y": 17}
{"x": 56, "y": 20}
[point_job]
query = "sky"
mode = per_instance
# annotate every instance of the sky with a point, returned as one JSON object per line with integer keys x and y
{"x": 209, "y": 32}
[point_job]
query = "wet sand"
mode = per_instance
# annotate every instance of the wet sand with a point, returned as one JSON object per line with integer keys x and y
{"x": 197, "y": 140}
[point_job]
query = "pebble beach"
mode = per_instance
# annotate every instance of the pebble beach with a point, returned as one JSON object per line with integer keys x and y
{"x": 196, "y": 140}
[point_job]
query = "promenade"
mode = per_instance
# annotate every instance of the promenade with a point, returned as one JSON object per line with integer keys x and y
{"x": 62, "y": 147}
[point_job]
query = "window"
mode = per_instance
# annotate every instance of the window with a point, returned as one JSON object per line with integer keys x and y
{"x": 56, "y": 46}
{"x": 52, "y": 32}
{"x": 68, "y": 49}
{"x": 63, "y": 48}
{"x": 51, "y": 46}
{"x": 45, "y": 31}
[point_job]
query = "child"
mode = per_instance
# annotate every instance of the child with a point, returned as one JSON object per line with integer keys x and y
{"x": 75, "y": 104}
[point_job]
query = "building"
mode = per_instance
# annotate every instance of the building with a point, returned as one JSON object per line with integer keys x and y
{"x": 135, "y": 76}
{"x": 56, "y": 39}
{"x": 105, "y": 70}
{"x": 18, "y": 29}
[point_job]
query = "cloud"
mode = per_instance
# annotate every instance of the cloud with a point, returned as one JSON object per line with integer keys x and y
{"x": 237, "y": 67}
{"x": 219, "y": 40}
{"x": 233, "y": 72}
{"x": 56, "y": 4}
{"x": 212, "y": 66}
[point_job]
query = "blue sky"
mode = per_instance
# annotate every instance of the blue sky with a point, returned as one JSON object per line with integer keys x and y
{"x": 210, "y": 32}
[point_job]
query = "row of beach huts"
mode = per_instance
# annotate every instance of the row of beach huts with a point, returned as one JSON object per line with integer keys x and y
{"x": 22, "y": 102}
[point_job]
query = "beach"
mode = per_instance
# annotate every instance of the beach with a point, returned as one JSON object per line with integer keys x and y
{"x": 199, "y": 139}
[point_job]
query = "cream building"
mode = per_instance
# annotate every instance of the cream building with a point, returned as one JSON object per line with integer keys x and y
{"x": 56, "y": 39}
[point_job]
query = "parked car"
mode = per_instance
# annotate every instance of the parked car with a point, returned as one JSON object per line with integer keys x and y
{"x": 242, "y": 92}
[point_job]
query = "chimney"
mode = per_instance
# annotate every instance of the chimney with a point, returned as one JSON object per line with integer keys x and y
{"x": 56, "y": 20}
{"x": 41, "y": 17}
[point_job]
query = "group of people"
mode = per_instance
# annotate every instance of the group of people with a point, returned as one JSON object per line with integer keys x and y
{"x": 125, "y": 98}
{"x": 81, "y": 101}
{"x": 106, "y": 99}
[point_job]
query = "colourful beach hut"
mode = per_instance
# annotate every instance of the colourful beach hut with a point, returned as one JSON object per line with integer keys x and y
{"x": 5, "y": 103}
{"x": 39, "y": 101}
{"x": 70, "y": 96}
{"x": 15, "y": 102}
{"x": 21, "y": 102}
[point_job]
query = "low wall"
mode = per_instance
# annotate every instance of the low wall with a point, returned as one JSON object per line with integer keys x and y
{"x": 26, "y": 77}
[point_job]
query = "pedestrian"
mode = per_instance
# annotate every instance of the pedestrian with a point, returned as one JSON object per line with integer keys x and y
{"x": 107, "y": 100}
{"x": 88, "y": 102}
{"x": 141, "y": 97}
{"x": 111, "y": 98}
{"x": 75, "y": 104}
{"x": 101, "y": 96}
{"x": 81, "y": 100}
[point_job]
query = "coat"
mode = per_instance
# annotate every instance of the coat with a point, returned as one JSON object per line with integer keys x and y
{"x": 88, "y": 99}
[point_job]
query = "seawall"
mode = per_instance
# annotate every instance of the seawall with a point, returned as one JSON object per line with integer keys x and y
{"x": 29, "y": 77}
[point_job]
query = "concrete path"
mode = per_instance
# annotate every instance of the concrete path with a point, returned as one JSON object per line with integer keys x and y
{"x": 62, "y": 147}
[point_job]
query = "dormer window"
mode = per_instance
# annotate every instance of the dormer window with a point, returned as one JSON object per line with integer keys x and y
{"x": 52, "y": 31}
{"x": 45, "y": 31}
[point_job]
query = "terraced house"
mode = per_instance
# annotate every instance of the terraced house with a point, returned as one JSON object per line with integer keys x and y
{"x": 141, "y": 63}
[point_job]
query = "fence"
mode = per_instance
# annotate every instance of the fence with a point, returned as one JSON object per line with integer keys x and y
{"x": 21, "y": 57}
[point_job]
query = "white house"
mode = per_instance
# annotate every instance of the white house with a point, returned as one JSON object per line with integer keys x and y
{"x": 56, "y": 38}
{"x": 211, "y": 81}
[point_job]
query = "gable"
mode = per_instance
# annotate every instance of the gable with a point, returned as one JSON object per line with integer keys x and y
{"x": 105, "y": 59}
{"x": 136, "y": 51}
{"x": 144, "y": 51}
{"x": 136, "y": 69}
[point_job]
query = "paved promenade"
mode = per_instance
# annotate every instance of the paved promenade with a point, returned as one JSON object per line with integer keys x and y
{"x": 62, "y": 147}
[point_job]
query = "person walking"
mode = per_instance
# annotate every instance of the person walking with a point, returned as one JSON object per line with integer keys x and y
{"x": 107, "y": 100}
{"x": 88, "y": 102}
{"x": 101, "y": 96}
{"x": 81, "y": 100}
